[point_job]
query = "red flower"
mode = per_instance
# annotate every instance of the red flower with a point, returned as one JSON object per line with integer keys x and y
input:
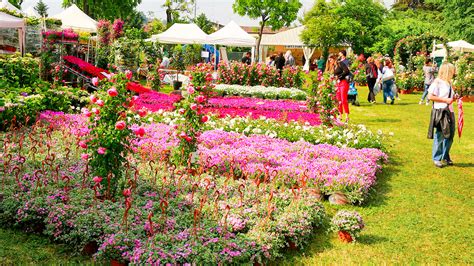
{"x": 82, "y": 144}
{"x": 112, "y": 92}
{"x": 140, "y": 132}
{"x": 120, "y": 125}
{"x": 97, "y": 179}
{"x": 127, "y": 192}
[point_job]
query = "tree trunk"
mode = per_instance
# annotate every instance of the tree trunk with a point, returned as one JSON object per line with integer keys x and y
{"x": 169, "y": 18}
{"x": 260, "y": 33}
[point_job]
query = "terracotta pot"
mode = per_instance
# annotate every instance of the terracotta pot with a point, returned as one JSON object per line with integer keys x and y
{"x": 292, "y": 245}
{"x": 338, "y": 198}
{"x": 468, "y": 99}
{"x": 90, "y": 248}
{"x": 117, "y": 263}
{"x": 406, "y": 91}
{"x": 345, "y": 236}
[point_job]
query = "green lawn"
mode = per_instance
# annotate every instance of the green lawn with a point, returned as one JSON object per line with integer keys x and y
{"x": 418, "y": 213}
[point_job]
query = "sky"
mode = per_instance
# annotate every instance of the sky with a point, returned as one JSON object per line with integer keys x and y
{"x": 216, "y": 10}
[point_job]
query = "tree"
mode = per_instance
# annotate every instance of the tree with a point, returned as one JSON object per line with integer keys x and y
{"x": 42, "y": 8}
{"x": 204, "y": 23}
{"x": 154, "y": 26}
{"x": 270, "y": 12}
{"x": 110, "y": 9}
{"x": 335, "y": 23}
{"x": 458, "y": 18}
{"x": 175, "y": 8}
{"x": 16, "y": 3}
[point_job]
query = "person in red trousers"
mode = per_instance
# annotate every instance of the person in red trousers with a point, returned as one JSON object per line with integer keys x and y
{"x": 342, "y": 72}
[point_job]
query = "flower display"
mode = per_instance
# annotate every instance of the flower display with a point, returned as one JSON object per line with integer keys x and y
{"x": 260, "y": 92}
{"x": 348, "y": 221}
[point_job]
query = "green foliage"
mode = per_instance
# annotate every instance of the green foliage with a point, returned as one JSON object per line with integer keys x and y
{"x": 177, "y": 10}
{"x": 105, "y": 9}
{"x": 42, "y": 8}
{"x": 177, "y": 60}
{"x": 16, "y": 3}
{"x": 322, "y": 98}
{"x": 272, "y": 13}
{"x": 458, "y": 18}
{"x": 204, "y": 23}
{"x": 464, "y": 80}
{"x": 154, "y": 26}
{"x": 334, "y": 23}
{"x": 192, "y": 54}
{"x": 17, "y": 71}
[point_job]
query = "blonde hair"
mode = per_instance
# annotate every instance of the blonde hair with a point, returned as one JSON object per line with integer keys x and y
{"x": 446, "y": 72}
{"x": 331, "y": 62}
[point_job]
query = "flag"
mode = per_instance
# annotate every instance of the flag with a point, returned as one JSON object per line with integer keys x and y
{"x": 460, "y": 117}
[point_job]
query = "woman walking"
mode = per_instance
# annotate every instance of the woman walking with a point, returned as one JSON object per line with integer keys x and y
{"x": 429, "y": 70}
{"x": 442, "y": 115}
{"x": 371, "y": 72}
{"x": 388, "y": 81}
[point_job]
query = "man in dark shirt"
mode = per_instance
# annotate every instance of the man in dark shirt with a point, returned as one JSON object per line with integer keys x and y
{"x": 246, "y": 59}
{"x": 280, "y": 62}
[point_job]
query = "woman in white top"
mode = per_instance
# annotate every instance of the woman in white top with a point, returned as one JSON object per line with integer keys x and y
{"x": 442, "y": 95}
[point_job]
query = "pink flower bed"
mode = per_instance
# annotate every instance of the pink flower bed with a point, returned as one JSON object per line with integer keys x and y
{"x": 330, "y": 168}
{"x": 155, "y": 101}
{"x": 254, "y": 103}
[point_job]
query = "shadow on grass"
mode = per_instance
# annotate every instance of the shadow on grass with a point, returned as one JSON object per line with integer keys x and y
{"x": 378, "y": 195}
{"x": 385, "y": 120}
{"x": 367, "y": 239}
{"x": 464, "y": 165}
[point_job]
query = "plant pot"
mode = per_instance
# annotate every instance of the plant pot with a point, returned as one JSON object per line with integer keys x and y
{"x": 409, "y": 91}
{"x": 90, "y": 248}
{"x": 468, "y": 99}
{"x": 177, "y": 85}
{"x": 345, "y": 236}
{"x": 338, "y": 198}
{"x": 116, "y": 263}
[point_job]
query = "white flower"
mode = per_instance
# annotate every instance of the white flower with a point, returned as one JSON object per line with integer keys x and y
{"x": 390, "y": 133}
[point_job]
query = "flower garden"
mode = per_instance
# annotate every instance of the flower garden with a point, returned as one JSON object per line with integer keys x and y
{"x": 243, "y": 165}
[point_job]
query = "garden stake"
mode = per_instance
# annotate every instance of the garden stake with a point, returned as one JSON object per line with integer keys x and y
{"x": 227, "y": 210}
{"x": 84, "y": 175}
{"x": 128, "y": 206}
{"x": 67, "y": 153}
{"x": 17, "y": 170}
{"x": 216, "y": 204}
{"x": 150, "y": 222}
{"x": 57, "y": 174}
{"x": 107, "y": 194}
{"x": 193, "y": 190}
{"x": 38, "y": 180}
{"x": 196, "y": 220}
{"x": 67, "y": 179}
{"x": 164, "y": 206}
{"x": 242, "y": 186}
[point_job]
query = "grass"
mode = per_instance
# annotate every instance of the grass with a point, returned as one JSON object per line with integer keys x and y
{"x": 418, "y": 213}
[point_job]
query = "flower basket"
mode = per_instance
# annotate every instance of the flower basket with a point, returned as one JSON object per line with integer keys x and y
{"x": 90, "y": 248}
{"x": 345, "y": 236}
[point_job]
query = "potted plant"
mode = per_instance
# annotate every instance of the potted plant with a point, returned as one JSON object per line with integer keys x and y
{"x": 177, "y": 63}
{"x": 348, "y": 224}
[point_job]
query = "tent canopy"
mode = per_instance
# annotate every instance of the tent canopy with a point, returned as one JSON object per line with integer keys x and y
{"x": 287, "y": 38}
{"x": 31, "y": 12}
{"x": 5, "y": 4}
{"x": 232, "y": 35}
{"x": 461, "y": 46}
{"x": 74, "y": 18}
{"x": 9, "y": 21}
{"x": 182, "y": 34}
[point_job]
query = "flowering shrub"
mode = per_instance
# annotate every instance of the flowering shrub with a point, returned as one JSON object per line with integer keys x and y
{"x": 109, "y": 140}
{"x": 154, "y": 77}
{"x": 117, "y": 29}
{"x": 103, "y": 31}
{"x": 464, "y": 81}
{"x": 17, "y": 71}
{"x": 260, "y": 92}
{"x": 67, "y": 35}
{"x": 323, "y": 98}
{"x": 348, "y": 221}
{"x": 260, "y": 74}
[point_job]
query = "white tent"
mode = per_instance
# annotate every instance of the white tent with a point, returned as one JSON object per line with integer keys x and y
{"x": 5, "y": 4}
{"x": 74, "y": 18}
{"x": 181, "y": 34}
{"x": 31, "y": 12}
{"x": 290, "y": 38}
{"x": 232, "y": 35}
{"x": 8, "y": 21}
{"x": 459, "y": 46}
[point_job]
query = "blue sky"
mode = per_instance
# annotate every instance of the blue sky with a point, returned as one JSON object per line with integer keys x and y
{"x": 217, "y": 10}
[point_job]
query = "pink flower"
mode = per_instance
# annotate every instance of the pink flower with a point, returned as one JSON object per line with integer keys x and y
{"x": 128, "y": 74}
{"x": 127, "y": 192}
{"x": 85, "y": 156}
{"x": 95, "y": 111}
{"x": 100, "y": 103}
{"x": 112, "y": 92}
{"x": 191, "y": 90}
{"x": 101, "y": 150}
{"x": 181, "y": 111}
{"x": 97, "y": 179}
{"x": 95, "y": 81}
{"x": 82, "y": 144}
{"x": 140, "y": 132}
{"x": 183, "y": 135}
{"x": 93, "y": 99}
{"x": 86, "y": 112}
{"x": 194, "y": 106}
{"x": 200, "y": 99}
{"x": 120, "y": 125}
{"x": 204, "y": 119}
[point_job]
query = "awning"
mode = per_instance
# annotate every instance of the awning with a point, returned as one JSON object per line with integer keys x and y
{"x": 74, "y": 18}
{"x": 232, "y": 35}
{"x": 9, "y": 21}
{"x": 181, "y": 34}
